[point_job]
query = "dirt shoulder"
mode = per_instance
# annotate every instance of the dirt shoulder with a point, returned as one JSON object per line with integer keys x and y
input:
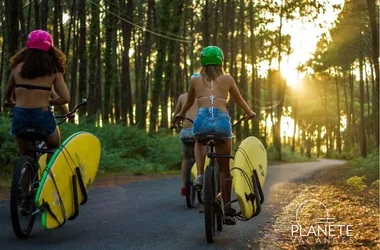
{"x": 302, "y": 208}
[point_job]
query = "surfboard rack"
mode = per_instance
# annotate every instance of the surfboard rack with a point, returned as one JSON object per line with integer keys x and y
{"x": 258, "y": 193}
{"x": 81, "y": 185}
{"x": 75, "y": 197}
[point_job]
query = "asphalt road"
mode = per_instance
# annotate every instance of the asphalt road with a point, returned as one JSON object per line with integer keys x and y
{"x": 150, "y": 215}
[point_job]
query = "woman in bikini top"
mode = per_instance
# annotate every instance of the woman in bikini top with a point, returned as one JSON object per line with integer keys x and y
{"x": 211, "y": 90}
{"x": 34, "y": 71}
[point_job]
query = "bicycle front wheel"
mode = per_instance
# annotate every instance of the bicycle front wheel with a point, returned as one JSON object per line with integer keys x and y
{"x": 22, "y": 197}
{"x": 209, "y": 199}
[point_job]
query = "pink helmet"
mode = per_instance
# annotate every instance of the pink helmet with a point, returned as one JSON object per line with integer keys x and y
{"x": 39, "y": 39}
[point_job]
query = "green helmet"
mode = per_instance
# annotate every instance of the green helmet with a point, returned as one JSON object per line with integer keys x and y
{"x": 211, "y": 55}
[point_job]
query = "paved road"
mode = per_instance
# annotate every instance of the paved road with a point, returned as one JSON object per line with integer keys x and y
{"x": 149, "y": 215}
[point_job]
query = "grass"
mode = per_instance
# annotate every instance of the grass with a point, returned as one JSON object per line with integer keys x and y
{"x": 368, "y": 167}
{"x": 124, "y": 149}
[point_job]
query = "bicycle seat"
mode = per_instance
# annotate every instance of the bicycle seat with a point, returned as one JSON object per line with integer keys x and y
{"x": 32, "y": 133}
{"x": 217, "y": 138}
{"x": 189, "y": 141}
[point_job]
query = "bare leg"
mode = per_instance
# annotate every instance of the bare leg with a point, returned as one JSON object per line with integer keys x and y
{"x": 53, "y": 141}
{"x": 200, "y": 157}
{"x": 186, "y": 155}
{"x": 224, "y": 171}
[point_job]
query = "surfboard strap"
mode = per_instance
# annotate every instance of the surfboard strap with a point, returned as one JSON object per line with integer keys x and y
{"x": 63, "y": 210}
{"x": 79, "y": 175}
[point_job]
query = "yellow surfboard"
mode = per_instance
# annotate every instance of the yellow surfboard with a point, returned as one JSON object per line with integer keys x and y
{"x": 250, "y": 155}
{"x": 67, "y": 179}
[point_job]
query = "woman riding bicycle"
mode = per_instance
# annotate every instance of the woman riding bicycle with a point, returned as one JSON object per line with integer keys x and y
{"x": 212, "y": 89}
{"x": 34, "y": 71}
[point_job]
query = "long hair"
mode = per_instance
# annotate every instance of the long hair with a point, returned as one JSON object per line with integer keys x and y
{"x": 210, "y": 72}
{"x": 39, "y": 63}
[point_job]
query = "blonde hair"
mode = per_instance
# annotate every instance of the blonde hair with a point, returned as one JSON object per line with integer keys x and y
{"x": 210, "y": 72}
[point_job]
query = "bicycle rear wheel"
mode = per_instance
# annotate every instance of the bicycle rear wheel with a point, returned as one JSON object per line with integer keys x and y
{"x": 190, "y": 189}
{"x": 218, "y": 203}
{"x": 209, "y": 199}
{"x": 22, "y": 197}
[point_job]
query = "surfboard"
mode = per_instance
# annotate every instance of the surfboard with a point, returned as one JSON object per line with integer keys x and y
{"x": 67, "y": 179}
{"x": 250, "y": 155}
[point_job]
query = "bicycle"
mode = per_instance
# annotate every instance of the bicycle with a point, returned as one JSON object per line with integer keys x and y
{"x": 213, "y": 202}
{"x": 191, "y": 191}
{"x": 26, "y": 177}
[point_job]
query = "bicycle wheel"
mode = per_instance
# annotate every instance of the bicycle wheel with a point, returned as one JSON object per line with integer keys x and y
{"x": 22, "y": 197}
{"x": 209, "y": 199}
{"x": 190, "y": 189}
{"x": 218, "y": 203}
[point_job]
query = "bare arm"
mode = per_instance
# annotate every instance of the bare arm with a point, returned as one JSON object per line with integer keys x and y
{"x": 63, "y": 108}
{"x": 190, "y": 99}
{"x": 178, "y": 107}
{"x": 63, "y": 96}
{"x": 10, "y": 90}
{"x": 239, "y": 100}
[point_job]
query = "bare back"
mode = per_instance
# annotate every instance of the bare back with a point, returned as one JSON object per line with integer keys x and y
{"x": 219, "y": 88}
{"x": 31, "y": 98}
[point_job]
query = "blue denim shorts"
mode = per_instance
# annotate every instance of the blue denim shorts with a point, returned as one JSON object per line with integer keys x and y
{"x": 34, "y": 117}
{"x": 212, "y": 121}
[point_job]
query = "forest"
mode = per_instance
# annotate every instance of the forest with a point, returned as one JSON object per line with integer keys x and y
{"x": 132, "y": 59}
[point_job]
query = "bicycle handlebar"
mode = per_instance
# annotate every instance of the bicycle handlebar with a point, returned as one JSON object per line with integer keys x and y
{"x": 66, "y": 116}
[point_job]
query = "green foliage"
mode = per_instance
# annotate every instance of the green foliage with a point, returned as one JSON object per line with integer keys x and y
{"x": 8, "y": 148}
{"x": 357, "y": 183}
{"x": 368, "y": 166}
{"x": 123, "y": 149}
{"x": 131, "y": 149}
{"x": 287, "y": 155}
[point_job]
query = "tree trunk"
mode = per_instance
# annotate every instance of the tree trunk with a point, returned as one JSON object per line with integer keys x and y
{"x": 216, "y": 23}
{"x": 29, "y": 15}
{"x": 44, "y": 14}
{"x": 36, "y": 15}
{"x": 205, "y": 21}
{"x": 352, "y": 110}
{"x": 22, "y": 22}
{"x": 142, "y": 102}
{"x": 362, "y": 136}
{"x": 338, "y": 137}
{"x": 74, "y": 70}
{"x": 13, "y": 32}
{"x": 82, "y": 53}
{"x": 126, "y": 93}
{"x": 93, "y": 60}
{"x": 375, "y": 57}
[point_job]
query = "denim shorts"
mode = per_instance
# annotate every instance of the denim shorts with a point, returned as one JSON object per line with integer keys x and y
{"x": 212, "y": 121}
{"x": 34, "y": 117}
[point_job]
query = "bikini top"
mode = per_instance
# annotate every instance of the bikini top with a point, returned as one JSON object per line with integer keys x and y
{"x": 212, "y": 98}
{"x": 32, "y": 87}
